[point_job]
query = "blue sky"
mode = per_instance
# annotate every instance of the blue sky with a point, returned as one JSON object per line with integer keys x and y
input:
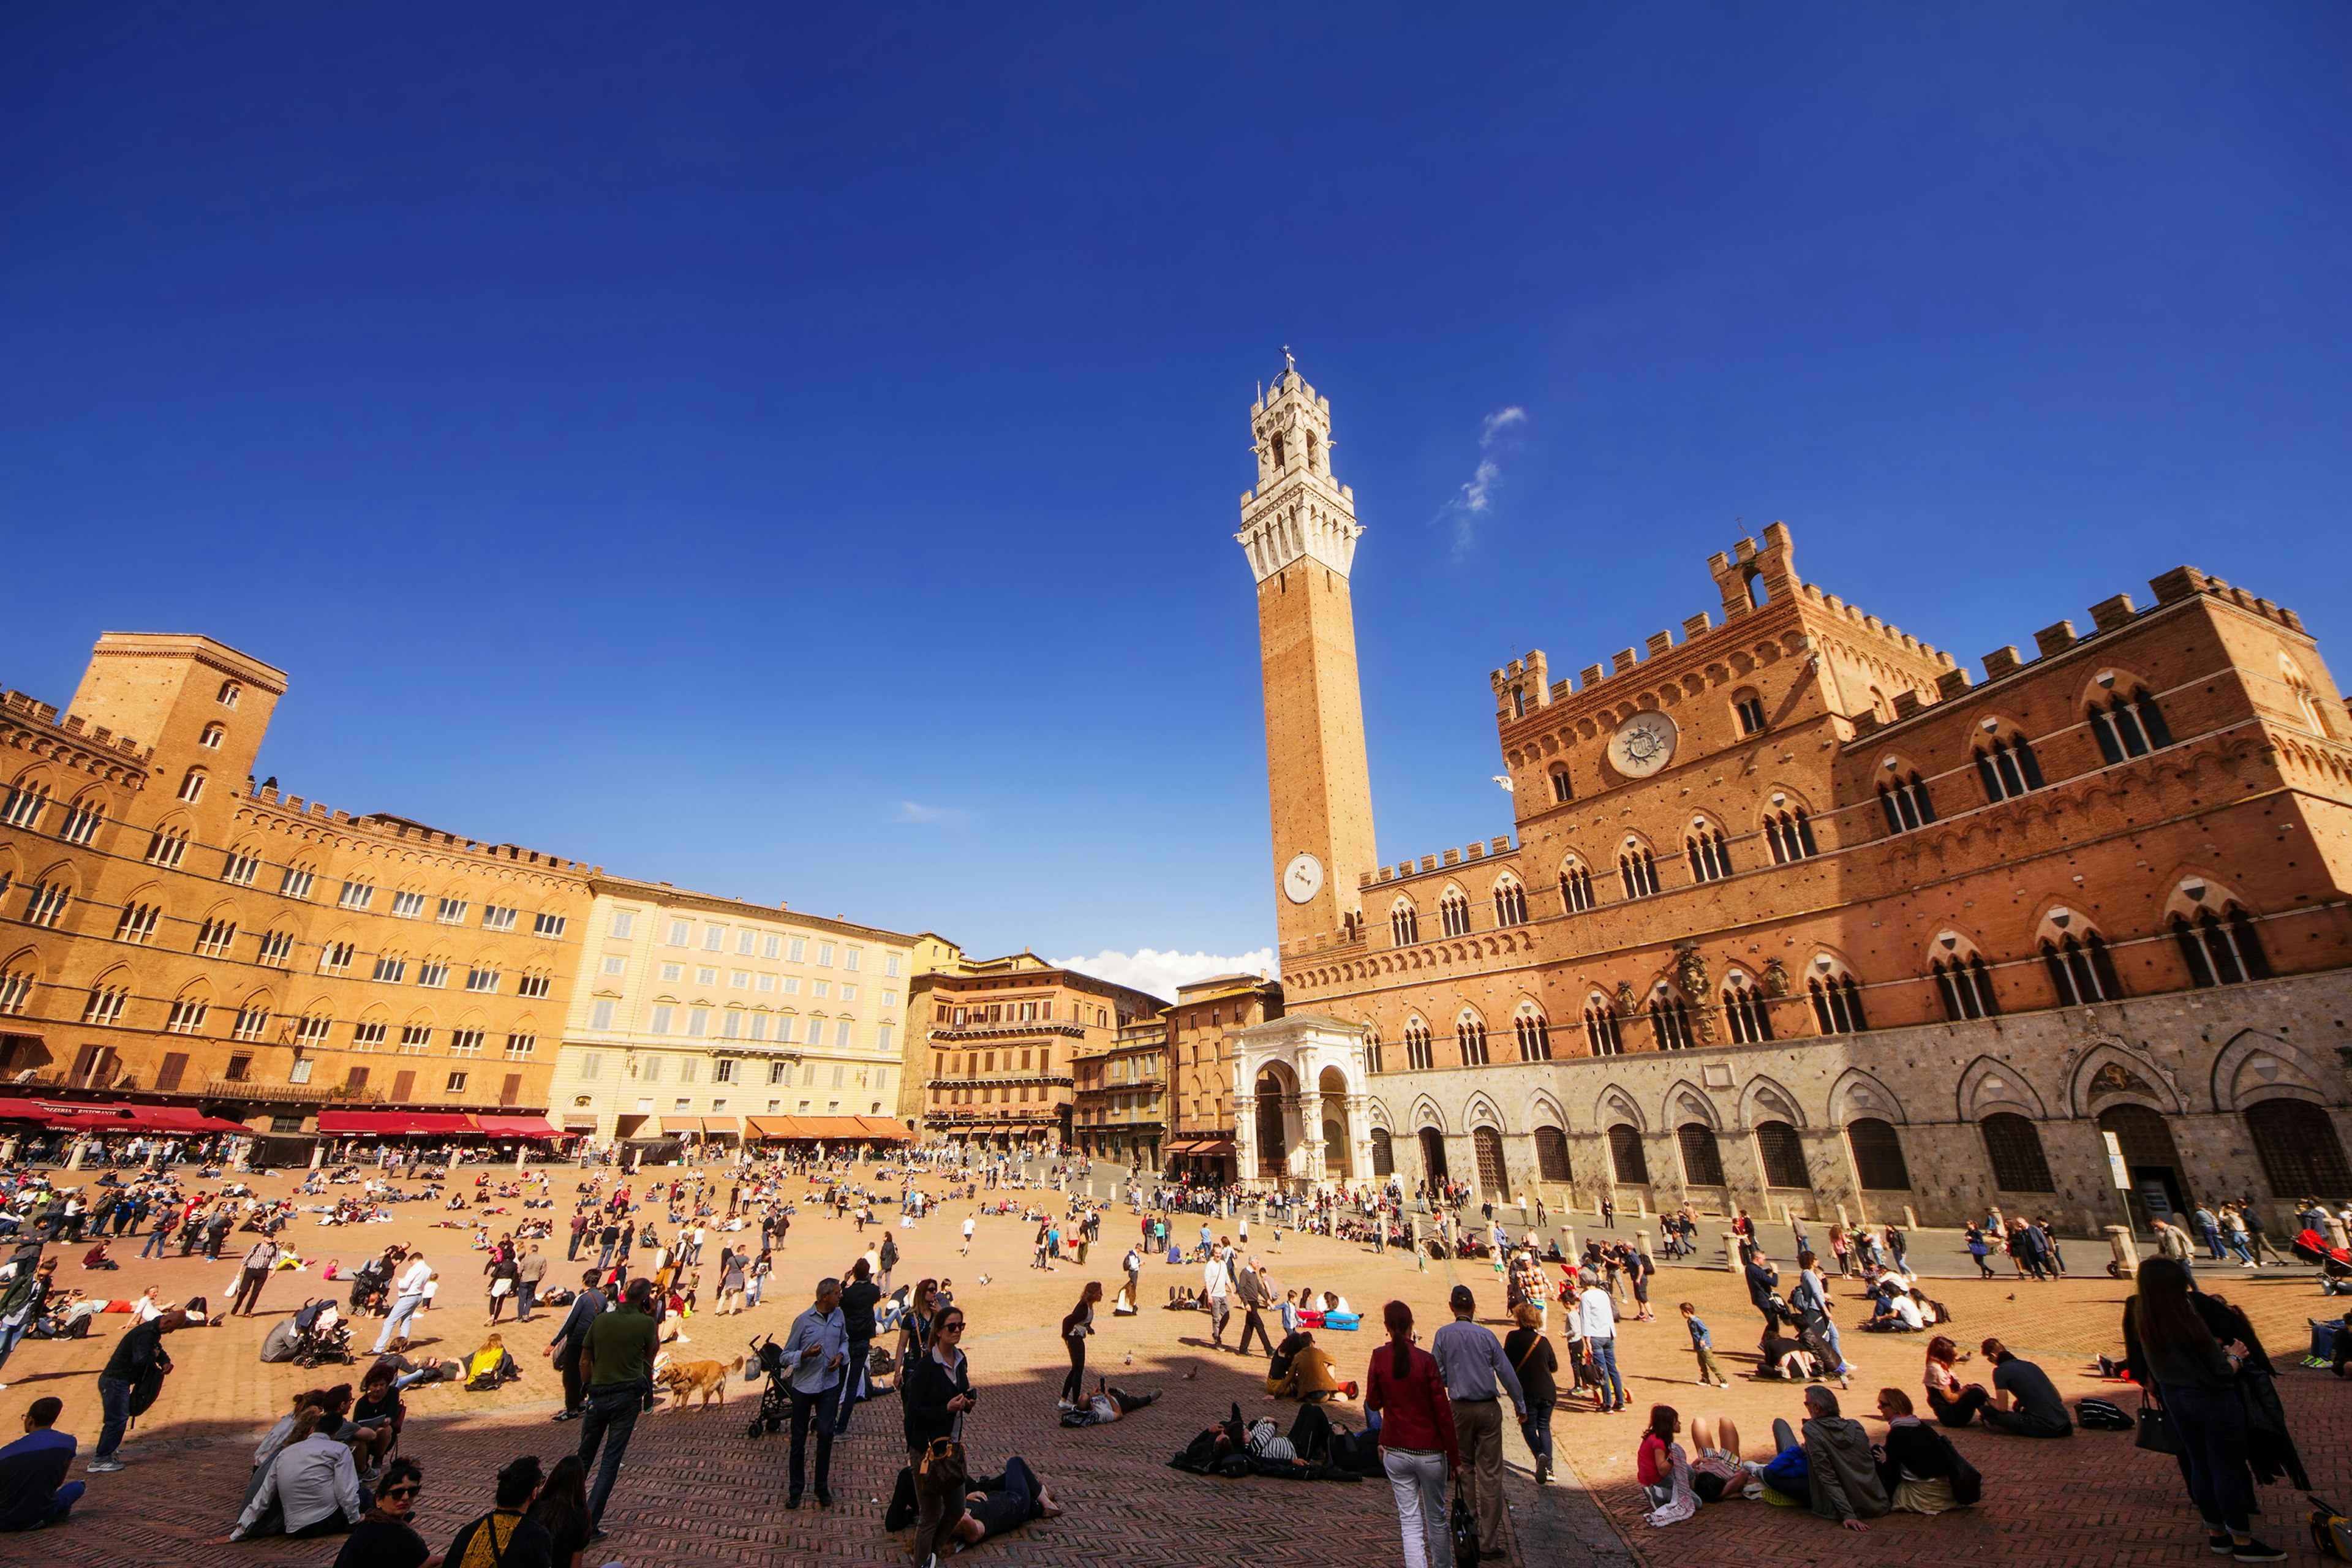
{"x": 797, "y": 456}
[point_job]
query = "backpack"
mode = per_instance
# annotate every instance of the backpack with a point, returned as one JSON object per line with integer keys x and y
{"x": 2331, "y": 1532}
{"x": 1967, "y": 1482}
{"x": 2103, "y": 1415}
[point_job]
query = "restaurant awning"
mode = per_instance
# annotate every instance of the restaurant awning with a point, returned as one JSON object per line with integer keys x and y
{"x": 392, "y": 1123}
{"x": 829, "y": 1129}
{"x": 139, "y": 1119}
{"x": 722, "y": 1127}
{"x": 580, "y": 1124}
{"x": 24, "y": 1110}
{"x": 675, "y": 1125}
{"x": 517, "y": 1127}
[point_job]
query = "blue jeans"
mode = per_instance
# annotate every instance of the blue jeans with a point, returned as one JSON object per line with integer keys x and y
{"x": 611, "y": 1412}
{"x": 8, "y": 1338}
{"x": 62, "y": 1504}
{"x": 1603, "y": 1348}
{"x": 819, "y": 1404}
{"x": 2211, "y": 1426}
{"x": 396, "y": 1325}
{"x": 114, "y": 1398}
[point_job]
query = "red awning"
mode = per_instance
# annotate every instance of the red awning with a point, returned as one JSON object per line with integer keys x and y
{"x": 24, "y": 1110}
{"x": 392, "y": 1123}
{"x": 139, "y": 1119}
{"x": 517, "y": 1127}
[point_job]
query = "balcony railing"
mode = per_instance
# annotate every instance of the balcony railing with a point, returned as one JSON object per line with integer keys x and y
{"x": 252, "y": 1088}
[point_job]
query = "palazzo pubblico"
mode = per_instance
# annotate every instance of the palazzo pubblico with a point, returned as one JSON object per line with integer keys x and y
{"x": 1797, "y": 914}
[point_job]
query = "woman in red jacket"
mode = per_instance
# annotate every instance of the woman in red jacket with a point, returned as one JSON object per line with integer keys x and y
{"x": 1417, "y": 1444}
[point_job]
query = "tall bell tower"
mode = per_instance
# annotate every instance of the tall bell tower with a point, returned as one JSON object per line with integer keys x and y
{"x": 1298, "y": 530}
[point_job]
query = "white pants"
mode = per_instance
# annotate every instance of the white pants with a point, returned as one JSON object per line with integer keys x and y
{"x": 1419, "y": 1482}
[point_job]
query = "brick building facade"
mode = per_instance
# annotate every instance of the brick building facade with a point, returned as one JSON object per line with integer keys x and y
{"x": 1796, "y": 913}
{"x": 1001, "y": 1035}
{"x": 171, "y": 932}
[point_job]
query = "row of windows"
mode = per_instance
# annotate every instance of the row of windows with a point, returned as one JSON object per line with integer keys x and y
{"x": 748, "y": 941}
{"x": 736, "y": 1070}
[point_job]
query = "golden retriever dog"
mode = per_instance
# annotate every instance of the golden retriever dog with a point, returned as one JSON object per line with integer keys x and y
{"x": 687, "y": 1378}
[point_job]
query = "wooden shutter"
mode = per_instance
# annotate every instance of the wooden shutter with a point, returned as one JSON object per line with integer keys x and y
{"x": 167, "y": 1078}
{"x": 512, "y": 1091}
{"x": 403, "y": 1084}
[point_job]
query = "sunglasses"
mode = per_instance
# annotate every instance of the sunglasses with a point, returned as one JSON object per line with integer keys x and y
{"x": 950, "y": 1328}
{"x": 401, "y": 1491}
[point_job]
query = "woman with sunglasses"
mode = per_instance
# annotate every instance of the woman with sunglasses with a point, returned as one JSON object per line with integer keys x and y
{"x": 384, "y": 1537}
{"x": 935, "y": 1391}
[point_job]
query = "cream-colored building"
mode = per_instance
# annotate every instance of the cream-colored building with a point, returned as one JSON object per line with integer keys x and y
{"x": 695, "y": 1015}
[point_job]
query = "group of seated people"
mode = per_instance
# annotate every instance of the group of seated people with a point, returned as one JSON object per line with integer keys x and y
{"x": 1303, "y": 1371}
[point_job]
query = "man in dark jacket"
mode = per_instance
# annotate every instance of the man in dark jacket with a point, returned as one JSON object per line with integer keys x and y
{"x": 857, "y": 1300}
{"x": 564, "y": 1348}
{"x": 34, "y": 1491}
{"x": 138, "y": 1355}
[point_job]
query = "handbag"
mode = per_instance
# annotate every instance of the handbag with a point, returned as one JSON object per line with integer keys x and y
{"x": 2156, "y": 1434}
{"x": 1463, "y": 1525}
{"x": 1968, "y": 1481}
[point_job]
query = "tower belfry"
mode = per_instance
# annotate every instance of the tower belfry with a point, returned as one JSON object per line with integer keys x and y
{"x": 1299, "y": 532}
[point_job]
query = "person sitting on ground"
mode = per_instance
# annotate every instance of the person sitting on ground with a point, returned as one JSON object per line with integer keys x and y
{"x": 380, "y": 1410}
{"x": 96, "y": 1258}
{"x": 312, "y": 1487}
{"x": 34, "y": 1491}
{"x": 1335, "y": 1303}
{"x": 1912, "y": 1465}
{"x": 1841, "y": 1472}
{"x": 385, "y": 1536}
{"x": 1311, "y": 1375}
{"x": 1664, "y": 1469}
{"x": 1898, "y": 1313}
{"x": 490, "y": 1366}
{"x": 1785, "y": 1357}
{"x": 505, "y": 1535}
{"x": 2024, "y": 1403}
{"x": 1952, "y": 1405}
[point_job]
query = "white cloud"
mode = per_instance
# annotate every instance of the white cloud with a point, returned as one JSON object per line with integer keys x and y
{"x": 1477, "y": 497}
{"x": 932, "y": 816}
{"x": 1147, "y": 969}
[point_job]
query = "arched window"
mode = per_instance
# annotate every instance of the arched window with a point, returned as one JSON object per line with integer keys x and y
{"x": 1551, "y": 1156}
{"x": 2220, "y": 950}
{"x": 1638, "y": 871}
{"x": 2306, "y": 702}
{"x": 1783, "y": 1155}
{"x": 1877, "y": 1155}
{"x": 2299, "y": 1148}
{"x": 1576, "y": 886}
{"x": 1491, "y": 1178}
{"x": 1791, "y": 834}
{"x": 81, "y": 823}
{"x": 1600, "y": 1035}
{"x": 192, "y": 786}
{"x": 2014, "y": 1146}
{"x": 1454, "y": 913}
{"x": 1404, "y": 925}
{"x": 2081, "y": 970}
{"x": 2008, "y": 769}
{"x": 1748, "y": 707}
{"x": 1966, "y": 987}
{"x": 17, "y": 984}
{"x": 1905, "y": 801}
{"x": 1420, "y": 1054}
{"x": 1372, "y": 1051}
{"x": 1710, "y": 855}
{"x": 1837, "y": 1003}
{"x": 136, "y": 923}
{"x": 1383, "y": 1152}
{"x": 1534, "y": 1036}
{"x": 1745, "y": 1009}
{"x": 1627, "y": 1158}
{"x": 1510, "y": 904}
{"x": 230, "y": 692}
{"x": 2129, "y": 726}
{"x": 24, "y": 806}
{"x": 1561, "y": 790}
{"x": 213, "y": 736}
{"x": 1702, "y": 1161}
{"x": 1670, "y": 1023}
{"x": 1470, "y": 1038}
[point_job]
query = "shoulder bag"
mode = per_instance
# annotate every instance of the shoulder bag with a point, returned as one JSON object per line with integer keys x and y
{"x": 2156, "y": 1434}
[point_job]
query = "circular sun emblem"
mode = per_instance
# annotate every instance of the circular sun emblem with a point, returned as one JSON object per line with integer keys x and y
{"x": 1642, "y": 744}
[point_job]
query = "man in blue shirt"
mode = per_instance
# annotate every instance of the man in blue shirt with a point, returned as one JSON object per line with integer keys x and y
{"x": 34, "y": 1491}
{"x": 817, "y": 1352}
{"x": 1470, "y": 1360}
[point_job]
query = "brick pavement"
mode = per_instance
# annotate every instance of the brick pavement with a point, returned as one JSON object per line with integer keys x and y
{"x": 698, "y": 1490}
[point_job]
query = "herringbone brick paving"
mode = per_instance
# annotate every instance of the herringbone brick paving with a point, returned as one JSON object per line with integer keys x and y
{"x": 697, "y": 1491}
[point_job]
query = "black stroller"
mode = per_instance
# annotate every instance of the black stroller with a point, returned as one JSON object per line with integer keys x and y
{"x": 302, "y": 1340}
{"x": 776, "y": 1398}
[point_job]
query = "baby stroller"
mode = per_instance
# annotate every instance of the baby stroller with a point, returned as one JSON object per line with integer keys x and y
{"x": 371, "y": 1288}
{"x": 314, "y": 1334}
{"x": 2336, "y": 1262}
{"x": 776, "y": 1398}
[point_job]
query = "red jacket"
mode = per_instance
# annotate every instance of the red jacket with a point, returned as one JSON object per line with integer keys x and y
{"x": 1414, "y": 1411}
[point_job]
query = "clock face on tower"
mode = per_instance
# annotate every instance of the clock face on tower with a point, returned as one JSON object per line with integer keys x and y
{"x": 1642, "y": 744}
{"x": 1302, "y": 879}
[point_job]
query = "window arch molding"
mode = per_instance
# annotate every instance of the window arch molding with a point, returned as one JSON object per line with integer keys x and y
{"x": 1836, "y": 994}
{"x": 2006, "y": 764}
{"x": 1575, "y": 880}
{"x": 2074, "y": 953}
{"x": 1510, "y": 897}
{"x": 1453, "y": 910}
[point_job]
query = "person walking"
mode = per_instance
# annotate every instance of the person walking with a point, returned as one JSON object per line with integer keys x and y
{"x": 530, "y": 1270}
{"x": 138, "y": 1355}
{"x": 1420, "y": 1445}
{"x": 1533, "y": 1359}
{"x": 615, "y": 1369}
{"x": 1216, "y": 1289}
{"x": 252, "y": 1276}
{"x": 1477, "y": 1372}
{"x": 1251, "y": 1285}
{"x": 817, "y": 1352}
{"x": 888, "y": 1259}
{"x": 2174, "y": 1354}
{"x": 1596, "y": 1317}
{"x": 572, "y": 1339}
{"x": 407, "y": 1296}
